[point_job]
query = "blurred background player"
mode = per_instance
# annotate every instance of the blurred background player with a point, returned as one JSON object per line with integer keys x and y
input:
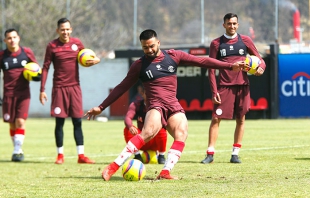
{"x": 66, "y": 91}
{"x": 16, "y": 90}
{"x": 231, "y": 97}
{"x": 138, "y": 109}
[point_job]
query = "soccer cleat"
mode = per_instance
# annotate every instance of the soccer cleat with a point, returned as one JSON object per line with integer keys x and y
{"x": 164, "y": 174}
{"x": 209, "y": 159}
{"x": 60, "y": 159}
{"x": 161, "y": 159}
{"x": 109, "y": 171}
{"x": 85, "y": 160}
{"x": 18, "y": 157}
{"x": 234, "y": 159}
{"x": 138, "y": 157}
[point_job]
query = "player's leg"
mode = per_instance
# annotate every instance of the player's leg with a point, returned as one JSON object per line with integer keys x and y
{"x": 22, "y": 108}
{"x": 152, "y": 125}
{"x": 75, "y": 111}
{"x": 59, "y": 136}
{"x": 128, "y": 135}
{"x": 238, "y": 135}
{"x": 177, "y": 127}
{"x": 213, "y": 135}
{"x": 242, "y": 106}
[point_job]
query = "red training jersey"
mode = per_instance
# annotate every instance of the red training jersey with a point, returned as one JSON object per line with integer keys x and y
{"x": 228, "y": 78}
{"x": 64, "y": 58}
{"x": 14, "y": 83}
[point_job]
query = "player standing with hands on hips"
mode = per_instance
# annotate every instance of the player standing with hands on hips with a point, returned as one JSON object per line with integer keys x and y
{"x": 16, "y": 89}
{"x": 231, "y": 97}
{"x": 157, "y": 71}
{"x": 66, "y": 92}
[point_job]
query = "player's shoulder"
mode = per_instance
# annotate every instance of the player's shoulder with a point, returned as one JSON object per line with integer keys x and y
{"x": 53, "y": 43}
{"x": 245, "y": 37}
{"x": 26, "y": 49}
{"x": 75, "y": 40}
{"x": 1, "y": 52}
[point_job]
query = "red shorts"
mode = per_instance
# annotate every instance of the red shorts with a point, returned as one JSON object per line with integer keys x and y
{"x": 67, "y": 102}
{"x": 158, "y": 143}
{"x": 235, "y": 102}
{"x": 167, "y": 111}
{"x": 15, "y": 107}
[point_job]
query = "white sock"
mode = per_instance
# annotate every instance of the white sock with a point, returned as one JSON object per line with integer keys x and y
{"x": 161, "y": 153}
{"x": 18, "y": 143}
{"x": 211, "y": 149}
{"x": 80, "y": 149}
{"x": 60, "y": 150}
{"x": 172, "y": 158}
{"x": 129, "y": 149}
{"x": 235, "y": 150}
{"x": 137, "y": 153}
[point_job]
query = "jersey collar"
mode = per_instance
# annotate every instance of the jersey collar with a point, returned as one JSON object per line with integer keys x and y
{"x": 230, "y": 37}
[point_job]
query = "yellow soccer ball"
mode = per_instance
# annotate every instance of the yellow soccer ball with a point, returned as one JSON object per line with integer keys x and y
{"x": 133, "y": 170}
{"x": 253, "y": 62}
{"x": 32, "y": 71}
{"x": 84, "y": 55}
{"x": 149, "y": 157}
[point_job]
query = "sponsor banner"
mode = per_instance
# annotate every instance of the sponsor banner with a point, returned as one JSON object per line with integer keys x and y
{"x": 294, "y": 85}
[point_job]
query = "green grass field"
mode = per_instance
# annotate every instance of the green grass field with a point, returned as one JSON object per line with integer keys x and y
{"x": 275, "y": 163}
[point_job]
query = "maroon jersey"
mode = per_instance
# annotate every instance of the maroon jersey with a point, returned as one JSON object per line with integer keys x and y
{"x": 240, "y": 44}
{"x": 64, "y": 59}
{"x": 12, "y": 65}
{"x": 138, "y": 109}
{"x": 160, "y": 81}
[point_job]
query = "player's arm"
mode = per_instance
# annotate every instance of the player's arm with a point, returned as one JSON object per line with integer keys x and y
{"x": 211, "y": 74}
{"x": 206, "y": 62}
{"x": 129, "y": 118}
{"x": 47, "y": 62}
{"x": 130, "y": 79}
{"x": 252, "y": 50}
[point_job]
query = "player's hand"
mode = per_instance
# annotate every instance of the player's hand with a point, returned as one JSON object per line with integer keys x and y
{"x": 133, "y": 130}
{"x": 217, "y": 99}
{"x": 240, "y": 66}
{"x": 93, "y": 61}
{"x": 92, "y": 113}
{"x": 43, "y": 98}
{"x": 259, "y": 71}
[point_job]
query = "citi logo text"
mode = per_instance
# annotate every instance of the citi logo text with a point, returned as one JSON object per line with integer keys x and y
{"x": 298, "y": 86}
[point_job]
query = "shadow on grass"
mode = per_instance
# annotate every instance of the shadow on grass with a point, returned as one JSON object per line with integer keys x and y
{"x": 25, "y": 162}
{"x": 302, "y": 158}
{"x": 116, "y": 178}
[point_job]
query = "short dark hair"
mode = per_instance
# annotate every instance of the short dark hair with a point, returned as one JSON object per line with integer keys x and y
{"x": 229, "y": 16}
{"x": 148, "y": 34}
{"x": 62, "y": 20}
{"x": 10, "y": 30}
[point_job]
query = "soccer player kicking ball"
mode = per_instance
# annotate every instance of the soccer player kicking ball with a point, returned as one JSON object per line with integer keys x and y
{"x": 157, "y": 70}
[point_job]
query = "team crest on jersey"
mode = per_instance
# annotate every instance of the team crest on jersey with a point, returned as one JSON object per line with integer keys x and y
{"x": 219, "y": 112}
{"x": 57, "y": 110}
{"x": 241, "y": 51}
{"x": 14, "y": 60}
{"x": 6, "y": 116}
{"x": 23, "y": 63}
{"x": 74, "y": 47}
{"x": 158, "y": 67}
{"x": 171, "y": 69}
{"x": 231, "y": 47}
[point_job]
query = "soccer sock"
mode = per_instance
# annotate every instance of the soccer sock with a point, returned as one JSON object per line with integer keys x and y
{"x": 236, "y": 149}
{"x": 132, "y": 146}
{"x": 137, "y": 153}
{"x": 19, "y": 140}
{"x": 80, "y": 150}
{"x": 210, "y": 150}
{"x": 60, "y": 150}
{"x": 161, "y": 153}
{"x": 174, "y": 155}
{"x": 12, "y": 133}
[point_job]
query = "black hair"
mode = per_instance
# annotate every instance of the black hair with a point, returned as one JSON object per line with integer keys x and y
{"x": 148, "y": 34}
{"x": 229, "y": 16}
{"x": 10, "y": 30}
{"x": 62, "y": 20}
